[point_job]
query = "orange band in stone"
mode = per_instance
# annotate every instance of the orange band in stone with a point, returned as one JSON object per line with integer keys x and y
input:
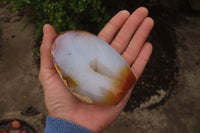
{"x": 120, "y": 87}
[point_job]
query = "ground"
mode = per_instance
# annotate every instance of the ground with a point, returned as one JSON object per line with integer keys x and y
{"x": 20, "y": 87}
{"x": 19, "y": 73}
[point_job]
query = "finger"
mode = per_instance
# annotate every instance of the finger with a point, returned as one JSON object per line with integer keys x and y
{"x": 111, "y": 28}
{"x": 138, "y": 40}
{"x": 125, "y": 34}
{"x": 49, "y": 35}
{"x": 142, "y": 60}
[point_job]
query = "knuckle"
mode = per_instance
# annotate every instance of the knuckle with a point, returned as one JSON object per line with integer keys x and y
{"x": 42, "y": 48}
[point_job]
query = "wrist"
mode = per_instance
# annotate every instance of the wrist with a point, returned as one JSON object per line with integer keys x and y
{"x": 78, "y": 121}
{"x": 63, "y": 126}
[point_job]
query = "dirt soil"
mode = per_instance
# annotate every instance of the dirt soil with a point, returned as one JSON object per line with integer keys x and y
{"x": 178, "y": 110}
{"x": 166, "y": 98}
{"x": 19, "y": 84}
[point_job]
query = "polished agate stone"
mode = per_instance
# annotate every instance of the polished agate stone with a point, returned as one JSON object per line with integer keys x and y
{"x": 91, "y": 68}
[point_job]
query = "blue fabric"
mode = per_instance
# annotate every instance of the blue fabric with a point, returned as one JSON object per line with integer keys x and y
{"x": 55, "y": 125}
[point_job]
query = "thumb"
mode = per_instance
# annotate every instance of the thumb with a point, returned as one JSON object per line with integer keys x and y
{"x": 49, "y": 34}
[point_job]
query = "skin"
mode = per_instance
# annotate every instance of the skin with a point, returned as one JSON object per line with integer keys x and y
{"x": 127, "y": 34}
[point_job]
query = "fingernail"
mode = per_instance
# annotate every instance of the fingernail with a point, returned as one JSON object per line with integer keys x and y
{"x": 44, "y": 28}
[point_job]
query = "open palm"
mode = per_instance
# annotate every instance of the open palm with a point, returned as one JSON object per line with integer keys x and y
{"x": 127, "y": 34}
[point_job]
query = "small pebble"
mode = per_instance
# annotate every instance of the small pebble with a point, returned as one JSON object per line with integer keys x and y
{"x": 3, "y": 131}
{"x": 16, "y": 124}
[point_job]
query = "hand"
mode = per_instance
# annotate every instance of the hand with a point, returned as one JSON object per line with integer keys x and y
{"x": 132, "y": 32}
